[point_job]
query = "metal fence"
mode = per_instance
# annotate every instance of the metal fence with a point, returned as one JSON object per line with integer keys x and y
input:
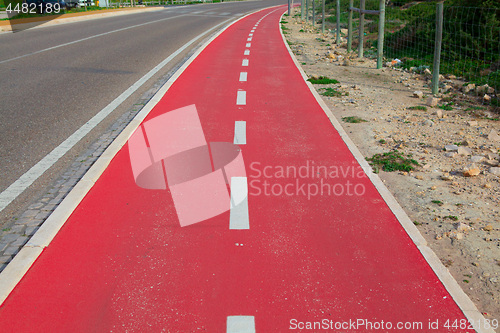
{"x": 469, "y": 42}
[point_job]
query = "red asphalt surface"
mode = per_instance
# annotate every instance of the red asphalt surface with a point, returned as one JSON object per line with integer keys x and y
{"x": 122, "y": 263}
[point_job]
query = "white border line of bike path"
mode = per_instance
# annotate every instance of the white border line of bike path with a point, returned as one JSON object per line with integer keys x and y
{"x": 459, "y": 296}
{"x": 19, "y": 266}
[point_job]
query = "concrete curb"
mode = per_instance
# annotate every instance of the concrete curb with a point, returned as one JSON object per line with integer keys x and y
{"x": 22, "y": 262}
{"x": 463, "y": 301}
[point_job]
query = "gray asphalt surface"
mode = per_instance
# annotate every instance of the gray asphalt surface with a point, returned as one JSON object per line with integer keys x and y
{"x": 47, "y": 96}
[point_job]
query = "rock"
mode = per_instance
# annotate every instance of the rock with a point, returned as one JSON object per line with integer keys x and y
{"x": 490, "y": 90}
{"x": 315, "y": 77}
{"x": 464, "y": 151}
{"x": 439, "y": 113}
{"x": 489, "y": 227}
{"x": 462, "y": 227}
{"x": 432, "y": 101}
{"x": 472, "y": 123}
{"x": 419, "y": 177}
{"x": 493, "y": 136}
{"x": 457, "y": 236}
{"x": 493, "y": 156}
{"x": 492, "y": 162}
{"x": 446, "y": 176}
{"x": 468, "y": 88}
{"x": 451, "y": 154}
{"x": 471, "y": 171}
{"x": 477, "y": 159}
{"x": 418, "y": 94}
{"x": 487, "y": 98}
{"x": 427, "y": 72}
{"x": 433, "y": 188}
{"x": 487, "y": 185}
{"x": 427, "y": 122}
{"x": 451, "y": 77}
{"x": 346, "y": 62}
{"x": 467, "y": 143}
{"x": 495, "y": 171}
{"x": 451, "y": 148}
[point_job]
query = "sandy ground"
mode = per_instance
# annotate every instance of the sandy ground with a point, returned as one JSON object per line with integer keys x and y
{"x": 458, "y": 215}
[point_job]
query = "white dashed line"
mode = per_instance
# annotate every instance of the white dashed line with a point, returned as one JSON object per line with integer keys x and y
{"x": 253, "y": 30}
{"x": 244, "y": 62}
{"x": 247, "y": 52}
{"x": 250, "y": 35}
{"x": 243, "y": 76}
{"x": 249, "y": 45}
{"x": 249, "y": 39}
{"x": 240, "y": 133}
{"x": 238, "y": 219}
{"x": 241, "y": 99}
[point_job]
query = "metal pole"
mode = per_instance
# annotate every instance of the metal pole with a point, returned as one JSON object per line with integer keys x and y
{"x": 289, "y": 6}
{"x": 307, "y": 11}
{"x": 314, "y": 13}
{"x": 338, "y": 23}
{"x": 302, "y": 9}
{"x": 437, "y": 47}
{"x": 361, "y": 28}
{"x": 349, "y": 27}
{"x": 381, "y": 27}
{"x": 323, "y": 18}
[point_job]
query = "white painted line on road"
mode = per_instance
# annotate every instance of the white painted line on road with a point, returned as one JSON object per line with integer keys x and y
{"x": 28, "y": 178}
{"x": 241, "y": 99}
{"x": 243, "y": 76}
{"x": 240, "y": 133}
{"x": 247, "y": 52}
{"x": 244, "y": 62}
{"x": 238, "y": 215}
{"x": 253, "y": 30}
{"x": 91, "y": 37}
{"x": 240, "y": 324}
{"x": 224, "y": 14}
{"x": 249, "y": 39}
{"x": 248, "y": 45}
{"x": 250, "y": 35}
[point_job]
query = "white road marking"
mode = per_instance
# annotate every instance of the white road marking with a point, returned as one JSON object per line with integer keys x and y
{"x": 243, "y": 76}
{"x": 249, "y": 39}
{"x": 241, "y": 99}
{"x": 238, "y": 215}
{"x": 224, "y": 13}
{"x": 91, "y": 37}
{"x": 250, "y": 35}
{"x": 244, "y": 62}
{"x": 248, "y": 45}
{"x": 253, "y": 30}
{"x": 247, "y": 52}
{"x": 240, "y": 133}
{"x": 30, "y": 176}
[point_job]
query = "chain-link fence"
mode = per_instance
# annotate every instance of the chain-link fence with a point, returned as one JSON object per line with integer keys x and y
{"x": 470, "y": 48}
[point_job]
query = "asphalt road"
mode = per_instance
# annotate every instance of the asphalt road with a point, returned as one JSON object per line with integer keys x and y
{"x": 46, "y": 95}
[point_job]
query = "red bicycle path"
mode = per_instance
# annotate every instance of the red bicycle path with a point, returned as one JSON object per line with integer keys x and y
{"x": 122, "y": 263}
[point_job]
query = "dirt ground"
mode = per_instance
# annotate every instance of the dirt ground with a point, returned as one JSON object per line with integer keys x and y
{"x": 453, "y": 195}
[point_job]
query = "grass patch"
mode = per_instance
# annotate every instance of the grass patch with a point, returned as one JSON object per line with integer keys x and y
{"x": 331, "y": 92}
{"x": 301, "y": 30}
{"x": 418, "y": 107}
{"x": 447, "y": 106}
{"x": 382, "y": 141}
{"x": 323, "y": 80}
{"x": 353, "y": 120}
{"x": 437, "y": 202}
{"x": 451, "y": 217}
{"x": 393, "y": 161}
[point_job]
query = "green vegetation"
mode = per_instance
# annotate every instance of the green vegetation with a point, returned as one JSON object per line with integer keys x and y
{"x": 353, "y": 120}
{"x": 392, "y": 161}
{"x": 437, "y": 202}
{"x": 323, "y": 80}
{"x": 447, "y": 106}
{"x": 331, "y": 92}
{"x": 451, "y": 217}
{"x": 418, "y": 107}
{"x": 382, "y": 141}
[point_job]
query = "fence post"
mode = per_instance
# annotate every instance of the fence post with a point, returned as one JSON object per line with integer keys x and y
{"x": 437, "y": 47}
{"x": 307, "y": 10}
{"x": 314, "y": 13}
{"x": 361, "y": 28}
{"x": 349, "y": 27}
{"x": 302, "y": 10}
{"x": 338, "y": 23}
{"x": 381, "y": 27}
{"x": 323, "y": 17}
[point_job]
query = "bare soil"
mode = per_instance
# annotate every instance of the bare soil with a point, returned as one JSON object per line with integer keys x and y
{"x": 458, "y": 215}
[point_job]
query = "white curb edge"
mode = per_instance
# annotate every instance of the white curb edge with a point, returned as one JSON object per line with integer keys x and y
{"x": 463, "y": 301}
